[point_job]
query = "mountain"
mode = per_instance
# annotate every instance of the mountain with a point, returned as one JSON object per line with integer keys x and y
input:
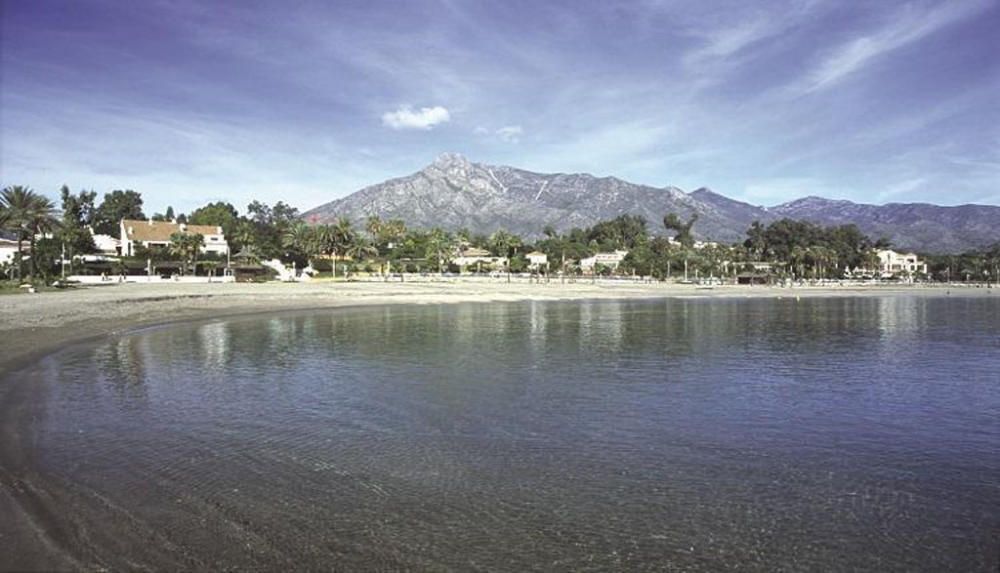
{"x": 453, "y": 193}
{"x": 917, "y": 226}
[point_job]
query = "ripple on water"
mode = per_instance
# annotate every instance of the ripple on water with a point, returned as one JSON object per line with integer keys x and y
{"x": 703, "y": 435}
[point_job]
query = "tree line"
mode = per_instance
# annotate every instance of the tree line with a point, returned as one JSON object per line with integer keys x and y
{"x": 795, "y": 249}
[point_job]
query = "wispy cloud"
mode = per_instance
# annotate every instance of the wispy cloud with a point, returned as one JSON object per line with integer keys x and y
{"x": 307, "y": 98}
{"x": 723, "y": 42}
{"x": 901, "y": 188}
{"x": 905, "y": 26}
{"x": 510, "y": 133}
{"x": 425, "y": 118}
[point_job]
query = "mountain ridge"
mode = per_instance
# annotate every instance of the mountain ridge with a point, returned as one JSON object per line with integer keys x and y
{"x": 453, "y": 192}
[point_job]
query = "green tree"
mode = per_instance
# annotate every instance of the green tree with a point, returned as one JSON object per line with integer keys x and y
{"x": 15, "y": 204}
{"x": 78, "y": 215}
{"x": 684, "y": 236}
{"x": 362, "y": 248}
{"x": 245, "y": 234}
{"x": 756, "y": 242}
{"x": 187, "y": 246}
{"x": 302, "y": 238}
{"x": 116, "y": 206}
{"x": 218, "y": 214}
{"x": 439, "y": 243}
{"x": 26, "y": 214}
{"x": 334, "y": 240}
{"x": 623, "y": 232}
{"x": 373, "y": 224}
{"x": 43, "y": 221}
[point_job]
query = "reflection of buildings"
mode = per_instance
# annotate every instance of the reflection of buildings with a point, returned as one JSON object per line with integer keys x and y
{"x": 901, "y": 318}
{"x": 215, "y": 344}
{"x": 601, "y": 326}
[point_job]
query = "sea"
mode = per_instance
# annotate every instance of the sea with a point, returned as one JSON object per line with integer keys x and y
{"x": 822, "y": 434}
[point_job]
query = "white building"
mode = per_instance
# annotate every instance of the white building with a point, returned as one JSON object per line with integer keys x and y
{"x": 472, "y": 257}
{"x": 537, "y": 260}
{"x": 156, "y": 234}
{"x": 106, "y": 244}
{"x": 892, "y": 263}
{"x": 611, "y": 260}
{"x": 8, "y": 248}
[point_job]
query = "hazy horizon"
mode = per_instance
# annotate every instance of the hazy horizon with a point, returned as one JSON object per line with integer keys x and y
{"x": 189, "y": 103}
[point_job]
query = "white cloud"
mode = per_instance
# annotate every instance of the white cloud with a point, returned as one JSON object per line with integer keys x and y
{"x": 905, "y": 27}
{"x": 406, "y": 118}
{"x": 725, "y": 42}
{"x": 507, "y": 133}
{"x": 510, "y": 133}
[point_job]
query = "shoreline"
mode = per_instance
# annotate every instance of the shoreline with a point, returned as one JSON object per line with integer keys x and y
{"x": 35, "y": 325}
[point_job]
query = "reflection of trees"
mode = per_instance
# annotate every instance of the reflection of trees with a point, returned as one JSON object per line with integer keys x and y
{"x": 122, "y": 364}
{"x": 468, "y": 344}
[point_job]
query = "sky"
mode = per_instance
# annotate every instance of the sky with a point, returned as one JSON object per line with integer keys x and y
{"x": 305, "y": 102}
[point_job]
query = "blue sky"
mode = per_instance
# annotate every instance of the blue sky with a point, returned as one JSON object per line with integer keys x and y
{"x": 305, "y": 102}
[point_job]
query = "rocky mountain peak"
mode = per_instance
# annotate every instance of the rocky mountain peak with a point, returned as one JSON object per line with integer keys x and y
{"x": 454, "y": 193}
{"x": 448, "y": 161}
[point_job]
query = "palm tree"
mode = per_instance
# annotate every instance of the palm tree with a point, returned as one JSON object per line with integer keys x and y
{"x": 374, "y": 227}
{"x": 872, "y": 262}
{"x": 798, "y": 257}
{"x": 394, "y": 230}
{"x": 333, "y": 239}
{"x": 438, "y": 241}
{"x": 42, "y": 219}
{"x": 362, "y": 248}
{"x": 300, "y": 237}
{"x": 186, "y": 246}
{"x": 25, "y": 213}
{"x": 343, "y": 238}
{"x": 245, "y": 234}
{"x": 15, "y": 207}
{"x": 500, "y": 242}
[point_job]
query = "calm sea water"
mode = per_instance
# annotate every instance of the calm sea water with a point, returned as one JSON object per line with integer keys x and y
{"x": 821, "y": 434}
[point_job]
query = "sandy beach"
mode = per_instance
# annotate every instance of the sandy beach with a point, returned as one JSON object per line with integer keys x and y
{"x": 32, "y": 325}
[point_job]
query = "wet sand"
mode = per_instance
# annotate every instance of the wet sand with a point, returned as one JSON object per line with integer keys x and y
{"x": 33, "y": 534}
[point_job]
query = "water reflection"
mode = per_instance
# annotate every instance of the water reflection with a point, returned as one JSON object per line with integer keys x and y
{"x": 214, "y": 338}
{"x": 704, "y": 435}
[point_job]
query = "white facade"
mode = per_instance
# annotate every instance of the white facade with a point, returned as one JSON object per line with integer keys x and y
{"x": 157, "y": 234}
{"x": 537, "y": 260}
{"x": 7, "y": 250}
{"x": 892, "y": 263}
{"x": 486, "y": 262}
{"x": 611, "y": 260}
{"x": 470, "y": 257}
{"x": 106, "y": 244}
